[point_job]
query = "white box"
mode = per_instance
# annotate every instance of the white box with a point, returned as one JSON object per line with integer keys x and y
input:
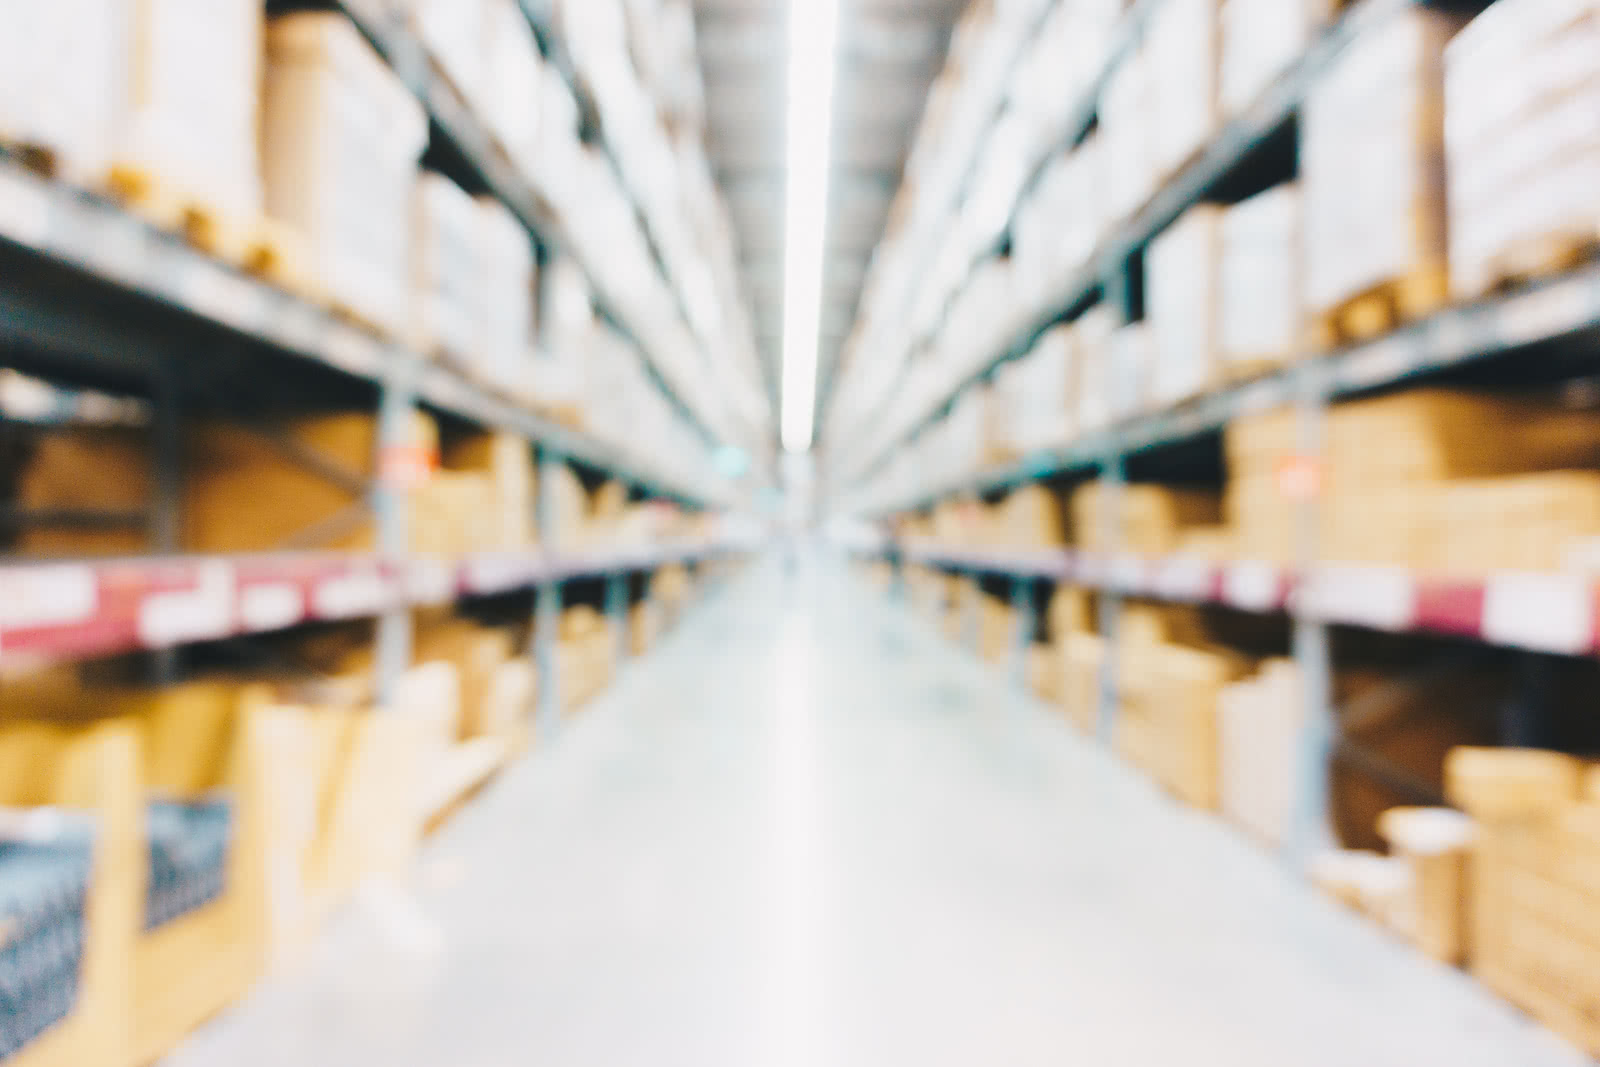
{"x": 456, "y": 34}
{"x": 505, "y": 298}
{"x": 515, "y": 75}
{"x": 1261, "y": 39}
{"x": 342, "y": 138}
{"x": 447, "y": 269}
{"x": 1182, "y": 269}
{"x": 1258, "y": 294}
{"x": 1183, "y": 53}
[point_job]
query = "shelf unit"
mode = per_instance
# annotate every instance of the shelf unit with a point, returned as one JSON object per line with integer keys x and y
{"x": 96, "y": 297}
{"x": 1553, "y": 324}
{"x": 385, "y": 27}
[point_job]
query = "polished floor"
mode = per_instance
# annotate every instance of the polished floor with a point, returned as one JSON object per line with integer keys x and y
{"x": 806, "y": 832}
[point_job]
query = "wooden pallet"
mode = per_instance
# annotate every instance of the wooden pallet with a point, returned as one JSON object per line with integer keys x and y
{"x": 1381, "y": 308}
{"x": 1532, "y": 258}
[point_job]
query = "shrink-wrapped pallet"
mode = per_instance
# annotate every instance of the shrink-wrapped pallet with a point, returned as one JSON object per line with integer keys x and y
{"x": 515, "y": 76}
{"x": 1182, "y": 304}
{"x": 341, "y": 140}
{"x": 1260, "y": 40}
{"x": 1127, "y": 150}
{"x": 503, "y": 305}
{"x": 456, "y": 34}
{"x": 160, "y": 98}
{"x": 1182, "y": 48}
{"x": 1258, "y": 291}
{"x": 1372, "y": 164}
{"x": 1522, "y": 126}
{"x": 447, "y": 270}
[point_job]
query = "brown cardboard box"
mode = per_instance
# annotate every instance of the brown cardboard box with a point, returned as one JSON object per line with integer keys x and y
{"x": 86, "y": 469}
{"x": 1150, "y": 521}
{"x": 508, "y": 461}
{"x": 1434, "y": 843}
{"x": 1030, "y": 517}
{"x": 1083, "y": 656}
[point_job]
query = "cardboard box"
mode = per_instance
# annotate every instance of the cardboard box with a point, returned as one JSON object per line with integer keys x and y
{"x": 1435, "y": 844}
{"x": 448, "y": 271}
{"x": 507, "y": 460}
{"x": 341, "y": 138}
{"x": 1183, "y": 50}
{"x": 1259, "y": 312}
{"x": 1259, "y": 722}
{"x": 1183, "y": 304}
{"x": 90, "y": 469}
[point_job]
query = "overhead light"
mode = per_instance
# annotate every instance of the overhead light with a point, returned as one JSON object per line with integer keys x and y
{"x": 813, "y": 34}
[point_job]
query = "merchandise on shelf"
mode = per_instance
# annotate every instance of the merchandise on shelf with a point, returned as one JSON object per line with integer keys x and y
{"x": 514, "y": 73}
{"x": 1260, "y": 40}
{"x": 1434, "y": 844}
{"x": 85, "y": 468}
{"x": 1127, "y": 140}
{"x": 1149, "y": 519}
{"x": 1183, "y": 305}
{"x": 341, "y": 138}
{"x": 448, "y": 271}
{"x": 1039, "y": 394}
{"x": 507, "y": 460}
{"x": 456, "y": 34}
{"x": 1522, "y": 132}
{"x": 159, "y": 101}
{"x": 1182, "y": 47}
{"x": 1259, "y": 313}
{"x": 1058, "y": 224}
{"x": 1095, "y": 332}
{"x": 1432, "y": 478}
{"x": 1083, "y": 657}
{"x": 1259, "y": 722}
{"x": 504, "y": 302}
{"x": 1131, "y": 351}
{"x": 1372, "y": 168}
{"x": 1538, "y": 839}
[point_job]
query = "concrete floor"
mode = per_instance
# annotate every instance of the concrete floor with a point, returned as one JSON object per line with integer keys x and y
{"x": 807, "y": 832}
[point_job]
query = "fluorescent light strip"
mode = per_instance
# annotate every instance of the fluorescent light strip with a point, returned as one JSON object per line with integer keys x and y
{"x": 813, "y": 35}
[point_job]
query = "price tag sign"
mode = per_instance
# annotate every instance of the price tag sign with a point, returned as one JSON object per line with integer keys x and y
{"x": 360, "y": 592}
{"x": 1252, "y": 586}
{"x": 199, "y": 614}
{"x": 430, "y": 581}
{"x": 24, "y": 209}
{"x": 42, "y": 597}
{"x": 409, "y": 466}
{"x": 1185, "y": 578}
{"x": 1383, "y": 598}
{"x": 1549, "y": 612}
{"x": 270, "y": 606}
{"x": 1127, "y": 573}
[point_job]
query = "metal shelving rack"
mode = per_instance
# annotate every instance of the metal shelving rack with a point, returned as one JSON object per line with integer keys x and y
{"x": 97, "y": 297}
{"x": 1538, "y": 613}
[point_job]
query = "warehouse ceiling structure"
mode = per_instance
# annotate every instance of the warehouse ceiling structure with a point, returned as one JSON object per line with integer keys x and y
{"x": 887, "y": 54}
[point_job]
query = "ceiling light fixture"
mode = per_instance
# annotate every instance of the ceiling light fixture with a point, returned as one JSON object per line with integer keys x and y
{"x": 813, "y": 34}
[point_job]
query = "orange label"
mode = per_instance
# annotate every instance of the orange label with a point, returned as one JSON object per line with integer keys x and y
{"x": 407, "y": 466}
{"x": 1300, "y": 477}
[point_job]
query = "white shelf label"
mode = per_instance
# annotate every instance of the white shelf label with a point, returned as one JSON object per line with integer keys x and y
{"x": 1252, "y": 586}
{"x": 360, "y": 592}
{"x": 24, "y": 210}
{"x": 1127, "y": 573}
{"x": 1383, "y": 598}
{"x": 270, "y": 606}
{"x": 1553, "y": 309}
{"x": 430, "y": 581}
{"x": 199, "y": 614}
{"x": 48, "y": 596}
{"x": 493, "y": 574}
{"x": 123, "y": 249}
{"x": 1184, "y": 578}
{"x": 1551, "y": 612}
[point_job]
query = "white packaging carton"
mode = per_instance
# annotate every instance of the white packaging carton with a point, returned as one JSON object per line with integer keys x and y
{"x": 1261, "y": 39}
{"x": 448, "y": 270}
{"x": 1258, "y": 295}
{"x": 505, "y": 293}
{"x": 341, "y": 139}
{"x": 515, "y": 75}
{"x": 456, "y": 34}
{"x": 1181, "y": 304}
{"x": 1183, "y": 49}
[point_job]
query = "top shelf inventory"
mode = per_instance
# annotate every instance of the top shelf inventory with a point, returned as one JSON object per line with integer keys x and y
{"x": 1280, "y": 222}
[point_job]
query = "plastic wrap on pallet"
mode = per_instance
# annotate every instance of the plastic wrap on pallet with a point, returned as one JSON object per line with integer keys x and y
{"x": 515, "y": 77}
{"x": 1372, "y": 159}
{"x": 1260, "y": 40}
{"x": 1182, "y": 305}
{"x": 1524, "y": 159}
{"x": 1258, "y": 293}
{"x": 63, "y": 68}
{"x": 341, "y": 141}
{"x": 504, "y": 301}
{"x": 1182, "y": 48}
{"x": 448, "y": 269}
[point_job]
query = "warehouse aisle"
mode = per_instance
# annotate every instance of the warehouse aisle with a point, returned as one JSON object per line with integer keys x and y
{"x": 806, "y": 832}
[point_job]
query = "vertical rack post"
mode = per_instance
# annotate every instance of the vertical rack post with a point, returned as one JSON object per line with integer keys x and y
{"x": 396, "y": 469}
{"x": 165, "y": 516}
{"x": 1312, "y": 827}
{"x": 617, "y": 614}
{"x": 547, "y": 596}
{"x": 1118, "y": 293}
{"x": 1022, "y": 604}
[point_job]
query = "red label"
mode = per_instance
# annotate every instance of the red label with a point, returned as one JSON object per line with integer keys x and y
{"x": 407, "y": 466}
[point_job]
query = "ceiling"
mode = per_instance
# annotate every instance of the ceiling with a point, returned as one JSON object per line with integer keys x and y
{"x": 889, "y": 52}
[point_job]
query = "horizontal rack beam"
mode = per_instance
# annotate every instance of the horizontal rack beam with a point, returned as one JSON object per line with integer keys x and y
{"x": 60, "y": 610}
{"x": 97, "y": 238}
